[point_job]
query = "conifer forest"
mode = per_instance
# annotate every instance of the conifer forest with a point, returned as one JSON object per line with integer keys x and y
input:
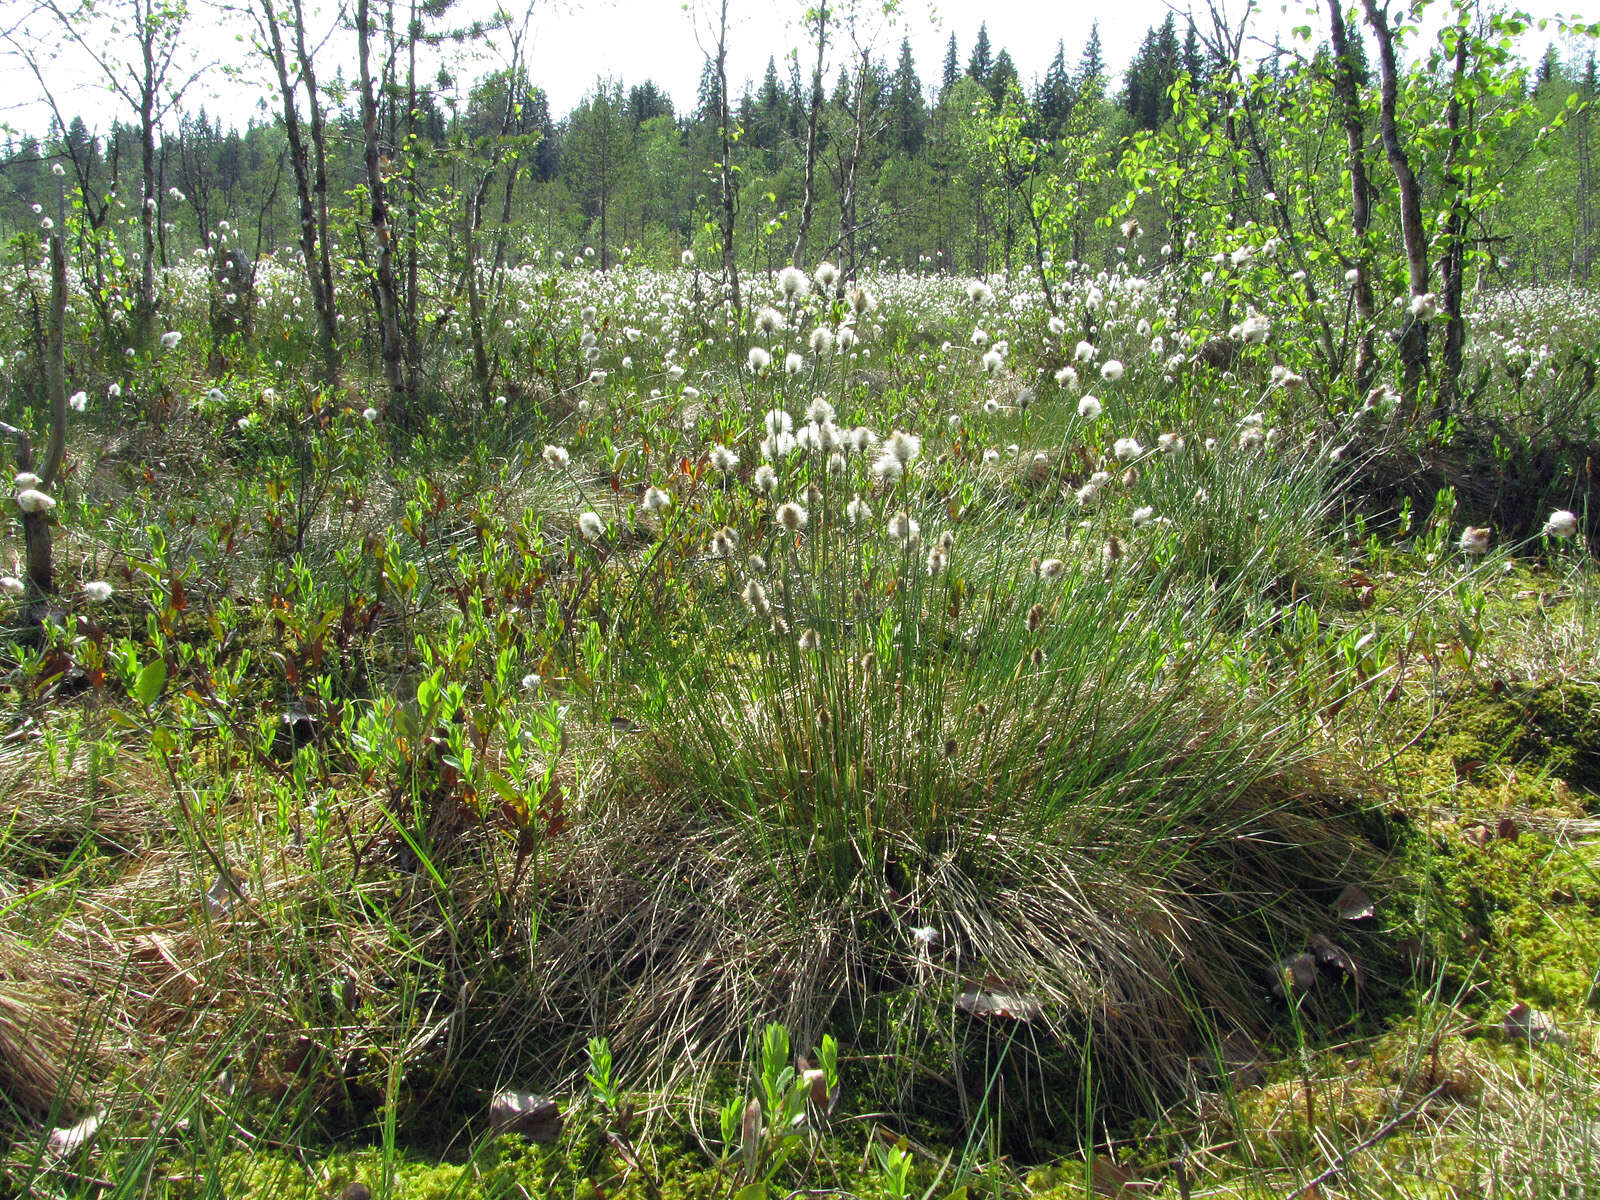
{"x": 888, "y": 628}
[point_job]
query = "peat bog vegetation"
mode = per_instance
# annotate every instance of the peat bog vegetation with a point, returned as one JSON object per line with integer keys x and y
{"x": 483, "y": 718}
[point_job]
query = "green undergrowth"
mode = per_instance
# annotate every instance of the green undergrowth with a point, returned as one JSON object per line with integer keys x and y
{"x": 1550, "y": 727}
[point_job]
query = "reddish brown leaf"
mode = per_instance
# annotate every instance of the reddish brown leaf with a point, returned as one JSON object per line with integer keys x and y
{"x": 1108, "y": 1178}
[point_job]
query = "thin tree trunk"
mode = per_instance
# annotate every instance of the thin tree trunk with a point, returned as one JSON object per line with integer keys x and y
{"x": 1414, "y": 326}
{"x": 383, "y": 235}
{"x": 145, "y": 311}
{"x": 38, "y": 549}
{"x": 311, "y": 183}
{"x": 480, "y": 352}
{"x": 1453, "y": 261}
{"x": 730, "y": 262}
{"x": 410, "y": 326}
{"x": 813, "y": 119}
{"x": 847, "y": 204}
{"x": 1349, "y": 100}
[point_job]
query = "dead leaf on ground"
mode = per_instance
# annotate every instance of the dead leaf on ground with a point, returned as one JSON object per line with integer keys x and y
{"x": 1110, "y": 1178}
{"x": 1298, "y": 974}
{"x": 221, "y": 897}
{"x": 1525, "y": 1024}
{"x": 69, "y": 1139}
{"x": 1013, "y": 1006}
{"x": 1354, "y": 904}
{"x": 1332, "y": 958}
{"x": 537, "y": 1118}
{"x": 1242, "y": 1060}
{"x": 1413, "y": 952}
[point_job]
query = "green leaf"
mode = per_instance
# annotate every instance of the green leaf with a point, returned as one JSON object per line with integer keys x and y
{"x": 751, "y": 1191}
{"x": 502, "y": 787}
{"x": 147, "y": 688}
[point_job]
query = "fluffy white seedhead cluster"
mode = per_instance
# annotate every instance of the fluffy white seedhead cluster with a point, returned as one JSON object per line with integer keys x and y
{"x": 1561, "y": 524}
{"x": 1424, "y": 306}
{"x": 793, "y": 283}
{"x": 791, "y": 516}
{"x": 903, "y": 529}
{"x": 900, "y": 449}
{"x": 1253, "y": 330}
{"x": 32, "y": 500}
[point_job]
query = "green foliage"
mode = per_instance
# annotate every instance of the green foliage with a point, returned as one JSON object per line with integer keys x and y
{"x": 1017, "y": 716}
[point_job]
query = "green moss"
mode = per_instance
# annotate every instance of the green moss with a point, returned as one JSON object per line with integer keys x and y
{"x": 1539, "y": 904}
{"x": 1551, "y": 725}
{"x": 509, "y": 1167}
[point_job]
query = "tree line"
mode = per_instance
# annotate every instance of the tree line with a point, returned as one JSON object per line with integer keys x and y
{"x": 416, "y": 189}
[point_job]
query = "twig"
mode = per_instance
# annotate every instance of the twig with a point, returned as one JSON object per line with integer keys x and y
{"x": 1384, "y": 1130}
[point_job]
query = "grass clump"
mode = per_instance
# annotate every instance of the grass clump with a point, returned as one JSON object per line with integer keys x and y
{"x": 1011, "y": 783}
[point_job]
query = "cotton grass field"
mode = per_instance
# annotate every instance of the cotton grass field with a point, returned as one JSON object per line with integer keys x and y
{"x": 889, "y": 738}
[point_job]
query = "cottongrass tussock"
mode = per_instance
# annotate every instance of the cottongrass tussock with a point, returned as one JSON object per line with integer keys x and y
{"x": 991, "y": 734}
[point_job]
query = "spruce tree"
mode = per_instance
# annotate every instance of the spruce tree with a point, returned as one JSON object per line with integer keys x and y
{"x": 982, "y": 61}
{"x": 1194, "y": 59}
{"x": 1092, "y": 66}
{"x": 770, "y": 117}
{"x": 1054, "y": 98}
{"x": 1002, "y": 77}
{"x": 906, "y": 112}
{"x": 646, "y": 102}
{"x": 1549, "y": 66}
{"x": 952, "y": 67}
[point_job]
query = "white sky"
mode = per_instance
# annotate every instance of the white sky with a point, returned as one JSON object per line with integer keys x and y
{"x": 576, "y": 42}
